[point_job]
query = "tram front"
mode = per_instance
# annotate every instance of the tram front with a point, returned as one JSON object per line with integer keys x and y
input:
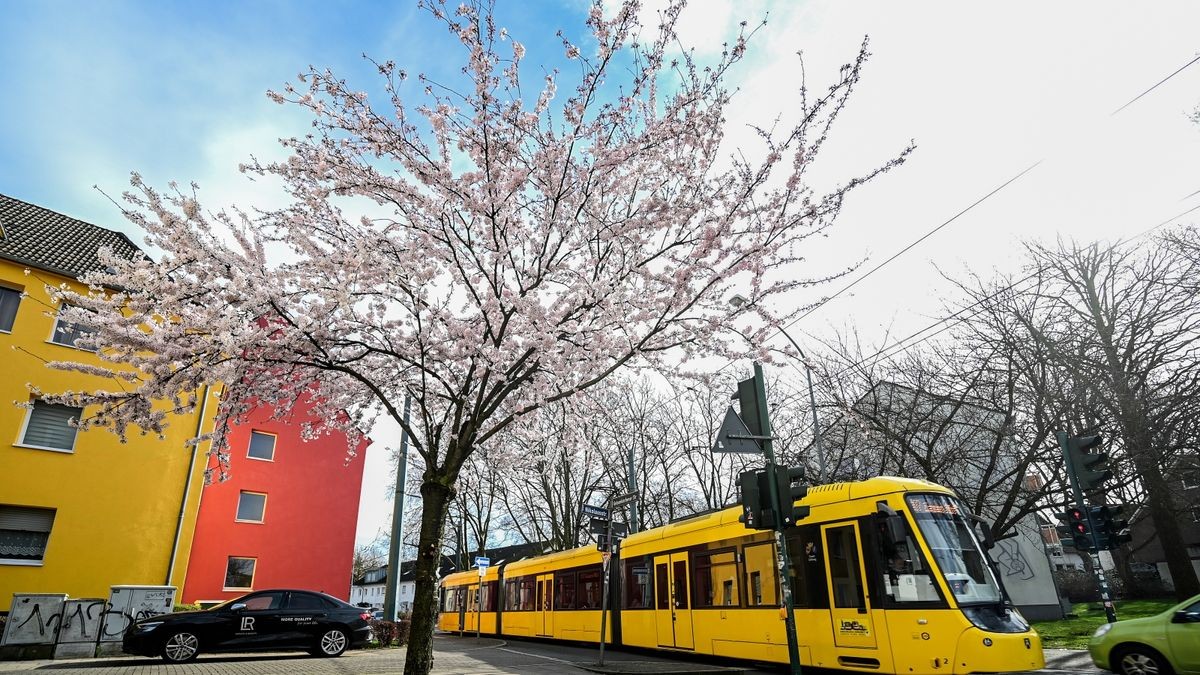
{"x": 998, "y": 638}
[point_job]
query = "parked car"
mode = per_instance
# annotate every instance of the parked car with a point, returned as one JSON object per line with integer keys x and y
{"x": 1156, "y": 645}
{"x": 273, "y": 620}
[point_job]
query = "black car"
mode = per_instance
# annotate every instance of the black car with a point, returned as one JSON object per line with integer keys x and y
{"x": 264, "y": 620}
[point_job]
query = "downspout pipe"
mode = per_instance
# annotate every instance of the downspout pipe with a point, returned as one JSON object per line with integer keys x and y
{"x": 187, "y": 485}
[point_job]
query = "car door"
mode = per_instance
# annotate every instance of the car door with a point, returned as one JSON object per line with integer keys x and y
{"x": 1183, "y": 634}
{"x": 255, "y": 626}
{"x": 303, "y": 619}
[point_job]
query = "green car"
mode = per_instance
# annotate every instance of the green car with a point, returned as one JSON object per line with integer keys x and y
{"x": 1156, "y": 645}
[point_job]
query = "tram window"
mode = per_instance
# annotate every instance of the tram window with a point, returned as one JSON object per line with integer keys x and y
{"x": 448, "y": 599}
{"x": 842, "y": 548}
{"x": 590, "y": 592}
{"x": 662, "y": 588}
{"x": 761, "y": 586}
{"x": 680, "y": 577}
{"x": 527, "y": 594}
{"x": 637, "y": 583}
{"x": 512, "y": 595}
{"x": 564, "y": 590}
{"x": 489, "y": 596}
{"x": 808, "y": 568}
{"x": 906, "y": 575}
{"x": 716, "y": 579}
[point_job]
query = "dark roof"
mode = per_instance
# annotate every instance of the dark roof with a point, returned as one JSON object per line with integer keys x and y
{"x": 38, "y": 237}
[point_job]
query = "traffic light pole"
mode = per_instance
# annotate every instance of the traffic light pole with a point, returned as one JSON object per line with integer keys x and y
{"x": 1077, "y": 492}
{"x": 785, "y": 566}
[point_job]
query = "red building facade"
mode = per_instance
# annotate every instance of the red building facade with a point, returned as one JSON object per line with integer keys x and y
{"x": 285, "y": 518}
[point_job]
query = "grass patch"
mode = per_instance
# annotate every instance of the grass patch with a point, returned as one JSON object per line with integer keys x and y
{"x": 1074, "y": 633}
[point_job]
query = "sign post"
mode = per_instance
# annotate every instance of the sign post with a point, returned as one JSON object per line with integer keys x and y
{"x": 482, "y": 563}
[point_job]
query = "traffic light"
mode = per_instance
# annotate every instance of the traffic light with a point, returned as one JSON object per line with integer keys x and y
{"x": 789, "y": 482}
{"x": 757, "y": 513}
{"x": 1090, "y": 468}
{"x": 1081, "y": 533}
{"x": 750, "y": 404}
{"x": 1110, "y": 527}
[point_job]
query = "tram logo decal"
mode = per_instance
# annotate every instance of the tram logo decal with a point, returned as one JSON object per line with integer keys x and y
{"x": 854, "y": 628}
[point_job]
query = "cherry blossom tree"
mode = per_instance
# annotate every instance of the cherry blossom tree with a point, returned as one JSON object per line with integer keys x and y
{"x": 486, "y": 250}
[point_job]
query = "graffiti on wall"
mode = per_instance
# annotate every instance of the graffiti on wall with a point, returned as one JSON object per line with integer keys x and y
{"x": 46, "y": 619}
{"x": 33, "y": 619}
{"x": 1011, "y": 560}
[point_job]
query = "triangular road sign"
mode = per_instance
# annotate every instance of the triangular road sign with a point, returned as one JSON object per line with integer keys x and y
{"x": 733, "y": 436}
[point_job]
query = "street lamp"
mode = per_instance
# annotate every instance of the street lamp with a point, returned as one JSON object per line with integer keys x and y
{"x": 737, "y": 301}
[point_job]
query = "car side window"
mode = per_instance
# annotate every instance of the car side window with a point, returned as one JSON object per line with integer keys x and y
{"x": 306, "y": 601}
{"x": 265, "y": 601}
{"x": 1194, "y": 608}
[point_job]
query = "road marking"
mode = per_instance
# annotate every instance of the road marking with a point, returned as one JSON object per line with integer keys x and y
{"x": 539, "y": 656}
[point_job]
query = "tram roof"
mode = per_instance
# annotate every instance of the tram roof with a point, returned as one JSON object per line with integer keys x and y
{"x": 818, "y": 495}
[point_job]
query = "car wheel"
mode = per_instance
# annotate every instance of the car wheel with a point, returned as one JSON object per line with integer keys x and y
{"x": 1139, "y": 660}
{"x": 180, "y": 647}
{"x": 331, "y": 643}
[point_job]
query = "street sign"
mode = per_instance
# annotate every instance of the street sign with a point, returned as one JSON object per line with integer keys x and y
{"x": 595, "y": 511}
{"x": 623, "y": 500}
{"x": 482, "y": 562}
{"x": 735, "y": 437}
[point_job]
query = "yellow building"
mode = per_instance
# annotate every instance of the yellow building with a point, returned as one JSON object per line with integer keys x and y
{"x": 79, "y": 511}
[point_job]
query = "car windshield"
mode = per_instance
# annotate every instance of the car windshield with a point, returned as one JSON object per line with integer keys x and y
{"x": 943, "y": 522}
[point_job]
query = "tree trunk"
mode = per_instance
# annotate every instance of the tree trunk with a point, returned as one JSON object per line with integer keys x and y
{"x": 435, "y": 502}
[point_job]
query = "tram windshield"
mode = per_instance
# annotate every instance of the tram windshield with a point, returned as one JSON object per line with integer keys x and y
{"x": 944, "y": 523}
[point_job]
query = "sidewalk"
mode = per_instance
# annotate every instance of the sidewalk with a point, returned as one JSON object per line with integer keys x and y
{"x": 452, "y": 656}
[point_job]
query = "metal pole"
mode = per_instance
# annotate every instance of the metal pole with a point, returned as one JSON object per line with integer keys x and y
{"x": 631, "y": 479}
{"x": 812, "y": 401}
{"x": 785, "y": 566}
{"x": 1077, "y": 492}
{"x": 604, "y": 584}
{"x": 393, "y": 573}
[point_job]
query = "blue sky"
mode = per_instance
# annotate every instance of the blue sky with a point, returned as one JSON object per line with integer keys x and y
{"x": 174, "y": 90}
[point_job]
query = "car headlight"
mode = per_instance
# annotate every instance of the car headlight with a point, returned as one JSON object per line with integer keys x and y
{"x": 1104, "y": 628}
{"x": 148, "y": 626}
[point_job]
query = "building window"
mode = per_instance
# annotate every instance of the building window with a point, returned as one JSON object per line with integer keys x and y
{"x": 1190, "y": 477}
{"x": 48, "y": 427}
{"x": 67, "y": 334}
{"x": 251, "y": 507}
{"x": 239, "y": 573}
{"x": 24, "y": 532}
{"x": 262, "y": 446}
{"x": 9, "y": 299}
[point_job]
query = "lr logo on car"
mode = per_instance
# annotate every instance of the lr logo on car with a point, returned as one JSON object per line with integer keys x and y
{"x": 248, "y": 624}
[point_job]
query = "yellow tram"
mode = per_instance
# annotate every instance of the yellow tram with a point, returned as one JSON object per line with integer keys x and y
{"x": 888, "y": 575}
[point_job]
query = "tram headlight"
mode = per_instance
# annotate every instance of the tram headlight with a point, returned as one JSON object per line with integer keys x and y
{"x": 1104, "y": 628}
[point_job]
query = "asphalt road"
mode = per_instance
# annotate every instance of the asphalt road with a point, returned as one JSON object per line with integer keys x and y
{"x": 452, "y": 656}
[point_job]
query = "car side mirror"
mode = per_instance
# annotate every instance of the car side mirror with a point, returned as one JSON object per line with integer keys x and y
{"x": 985, "y": 529}
{"x": 237, "y": 607}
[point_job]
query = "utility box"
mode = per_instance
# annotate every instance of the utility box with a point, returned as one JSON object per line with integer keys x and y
{"x": 79, "y": 630}
{"x": 33, "y": 619}
{"x": 127, "y": 604}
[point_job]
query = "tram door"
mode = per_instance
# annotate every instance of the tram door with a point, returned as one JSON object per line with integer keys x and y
{"x": 471, "y": 618}
{"x": 849, "y": 603}
{"x": 673, "y": 609}
{"x": 544, "y": 624}
{"x": 460, "y": 603}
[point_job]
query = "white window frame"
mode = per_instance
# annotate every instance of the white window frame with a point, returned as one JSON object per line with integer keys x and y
{"x": 25, "y": 426}
{"x": 274, "y": 445}
{"x": 253, "y": 573}
{"x": 236, "y": 513}
{"x": 23, "y": 562}
{"x": 54, "y": 332}
{"x": 20, "y": 293}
